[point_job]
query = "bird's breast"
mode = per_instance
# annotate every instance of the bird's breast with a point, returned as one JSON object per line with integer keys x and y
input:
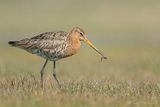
{"x": 72, "y": 48}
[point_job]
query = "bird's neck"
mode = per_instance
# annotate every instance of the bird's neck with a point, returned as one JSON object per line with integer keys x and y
{"x": 73, "y": 45}
{"x": 74, "y": 39}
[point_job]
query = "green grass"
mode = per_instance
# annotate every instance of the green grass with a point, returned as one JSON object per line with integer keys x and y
{"x": 26, "y": 91}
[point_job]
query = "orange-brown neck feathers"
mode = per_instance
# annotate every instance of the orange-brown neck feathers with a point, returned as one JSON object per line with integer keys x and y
{"x": 74, "y": 43}
{"x": 75, "y": 40}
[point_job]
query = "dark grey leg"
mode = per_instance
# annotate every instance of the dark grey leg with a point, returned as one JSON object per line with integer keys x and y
{"x": 54, "y": 74}
{"x": 42, "y": 72}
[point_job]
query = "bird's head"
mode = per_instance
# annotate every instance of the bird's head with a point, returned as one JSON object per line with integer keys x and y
{"x": 81, "y": 34}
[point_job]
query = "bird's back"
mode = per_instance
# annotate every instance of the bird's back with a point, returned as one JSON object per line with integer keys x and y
{"x": 50, "y": 45}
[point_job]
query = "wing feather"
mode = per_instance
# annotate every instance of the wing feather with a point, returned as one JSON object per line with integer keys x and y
{"x": 48, "y": 40}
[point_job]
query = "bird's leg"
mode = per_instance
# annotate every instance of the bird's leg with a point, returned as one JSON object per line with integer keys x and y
{"x": 54, "y": 74}
{"x": 42, "y": 72}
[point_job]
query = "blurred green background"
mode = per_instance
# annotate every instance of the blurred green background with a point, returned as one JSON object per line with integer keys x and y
{"x": 127, "y": 31}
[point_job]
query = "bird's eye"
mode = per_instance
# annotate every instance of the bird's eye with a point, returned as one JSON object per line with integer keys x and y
{"x": 81, "y": 33}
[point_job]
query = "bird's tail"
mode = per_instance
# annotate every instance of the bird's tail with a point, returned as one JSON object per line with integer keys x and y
{"x": 13, "y": 43}
{"x": 20, "y": 43}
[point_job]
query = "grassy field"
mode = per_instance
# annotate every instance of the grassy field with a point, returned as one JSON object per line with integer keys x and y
{"x": 126, "y": 32}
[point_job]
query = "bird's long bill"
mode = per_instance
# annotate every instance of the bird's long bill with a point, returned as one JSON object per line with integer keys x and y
{"x": 91, "y": 45}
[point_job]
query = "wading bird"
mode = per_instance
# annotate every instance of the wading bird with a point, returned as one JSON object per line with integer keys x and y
{"x": 54, "y": 46}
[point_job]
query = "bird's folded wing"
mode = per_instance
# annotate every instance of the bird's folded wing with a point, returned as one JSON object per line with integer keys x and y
{"x": 48, "y": 40}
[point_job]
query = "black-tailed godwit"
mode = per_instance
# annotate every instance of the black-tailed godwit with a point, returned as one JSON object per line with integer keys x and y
{"x": 54, "y": 46}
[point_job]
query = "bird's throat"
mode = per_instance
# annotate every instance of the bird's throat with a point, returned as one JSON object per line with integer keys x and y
{"x": 74, "y": 45}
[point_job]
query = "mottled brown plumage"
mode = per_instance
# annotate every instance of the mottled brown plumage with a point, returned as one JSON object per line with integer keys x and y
{"x": 54, "y": 45}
